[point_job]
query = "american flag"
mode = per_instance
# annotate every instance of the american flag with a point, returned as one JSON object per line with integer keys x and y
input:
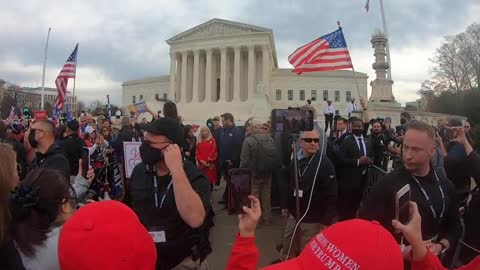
{"x": 68, "y": 71}
{"x": 328, "y": 52}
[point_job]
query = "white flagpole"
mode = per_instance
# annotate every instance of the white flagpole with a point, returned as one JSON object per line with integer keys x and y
{"x": 74, "y": 107}
{"x": 43, "y": 74}
{"x": 385, "y": 31}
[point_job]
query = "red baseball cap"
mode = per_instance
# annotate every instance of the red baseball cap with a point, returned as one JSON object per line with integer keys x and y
{"x": 105, "y": 235}
{"x": 349, "y": 245}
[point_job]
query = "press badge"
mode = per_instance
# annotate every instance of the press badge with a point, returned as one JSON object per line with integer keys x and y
{"x": 300, "y": 193}
{"x": 158, "y": 236}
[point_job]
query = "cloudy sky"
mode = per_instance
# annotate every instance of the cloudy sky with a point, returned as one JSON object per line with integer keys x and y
{"x": 123, "y": 40}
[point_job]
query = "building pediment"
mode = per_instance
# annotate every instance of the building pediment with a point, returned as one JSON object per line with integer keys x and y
{"x": 217, "y": 28}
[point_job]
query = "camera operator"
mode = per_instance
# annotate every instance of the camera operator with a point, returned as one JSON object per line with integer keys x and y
{"x": 378, "y": 142}
{"x": 324, "y": 195}
{"x": 456, "y": 167}
{"x": 171, "y": 197}
{"x": 429, "y": 188}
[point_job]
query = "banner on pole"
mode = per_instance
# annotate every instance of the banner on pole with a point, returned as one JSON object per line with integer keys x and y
{"x": 40, "y": 115}
{"x": 131, "y": 156}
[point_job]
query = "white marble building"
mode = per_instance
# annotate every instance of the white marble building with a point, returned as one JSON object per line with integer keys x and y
{"x": 224, "y": 66}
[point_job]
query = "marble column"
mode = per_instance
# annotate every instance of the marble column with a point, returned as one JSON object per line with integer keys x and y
{"x": 251, "y": 72}
{"x": 236, "y": 74}
{"x": 173, "y": 60}
{"x": 183, "y": 89}
{"x": 265, "y": 67}
{"x": 196, "y": 78}
{"x": 223, "y": 74}
{"x": 208, "y": 76}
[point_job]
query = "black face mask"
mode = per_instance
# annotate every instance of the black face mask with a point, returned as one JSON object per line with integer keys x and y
{"x": 150, "y": 156}
{"x": 357, "y": 132}
{"x": 403, "y": 121}
{"x": 31, "y": 140}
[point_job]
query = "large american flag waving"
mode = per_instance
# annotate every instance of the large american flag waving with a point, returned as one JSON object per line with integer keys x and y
{"x": 328, "y": 52}
{"x": 68, "y": 71}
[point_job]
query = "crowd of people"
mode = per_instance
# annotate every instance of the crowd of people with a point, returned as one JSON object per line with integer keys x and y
{"x": 63, "y": 185}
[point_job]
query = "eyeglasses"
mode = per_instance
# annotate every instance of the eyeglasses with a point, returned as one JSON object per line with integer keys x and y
{"x": 216, "y": 119}
{"x": 310, "y": 140}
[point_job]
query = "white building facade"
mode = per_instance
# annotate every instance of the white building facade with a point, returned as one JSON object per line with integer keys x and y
{"x": 223, "y": 66}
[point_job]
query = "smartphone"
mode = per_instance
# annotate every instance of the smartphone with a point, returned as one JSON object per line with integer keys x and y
{"x": 85, "y": 161}
{"x": 402, "y": 205}
{"x": 292, "y": 120}
{"x": 240, "y": 187}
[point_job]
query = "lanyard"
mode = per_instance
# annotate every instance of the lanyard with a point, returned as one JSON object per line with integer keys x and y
{"x": 424, "y": 192}
{"x": 155, "y": 187}
{"x": 306, "y": 168}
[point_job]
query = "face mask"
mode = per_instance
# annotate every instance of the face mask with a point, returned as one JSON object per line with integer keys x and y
{"x": 357, "y": 132}
{"x": 31, "y": 140}
{"x": 150, "y": 156}
{"x": 403, "y": 121}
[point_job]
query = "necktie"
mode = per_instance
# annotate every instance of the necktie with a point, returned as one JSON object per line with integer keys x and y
{"x": 362, "y": 149}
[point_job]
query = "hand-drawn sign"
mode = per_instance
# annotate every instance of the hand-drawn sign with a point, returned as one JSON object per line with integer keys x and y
{"x": 131, "y": 156}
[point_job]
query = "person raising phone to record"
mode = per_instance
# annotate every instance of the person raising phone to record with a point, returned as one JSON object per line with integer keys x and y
{"x": 429, "y": 188}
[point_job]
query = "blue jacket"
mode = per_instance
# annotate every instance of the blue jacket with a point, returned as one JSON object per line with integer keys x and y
{"x": 230, "y": 144}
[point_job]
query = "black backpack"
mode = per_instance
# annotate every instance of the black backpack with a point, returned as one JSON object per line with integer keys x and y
{"x": 268, "y": 156}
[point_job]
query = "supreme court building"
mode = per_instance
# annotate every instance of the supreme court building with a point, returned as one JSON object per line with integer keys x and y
{"x": 223, "y": 66}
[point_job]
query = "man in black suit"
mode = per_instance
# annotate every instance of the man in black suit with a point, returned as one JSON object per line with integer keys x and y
{"x": 354, "y": 158}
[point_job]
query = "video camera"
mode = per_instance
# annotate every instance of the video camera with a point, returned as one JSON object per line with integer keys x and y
{"x": 292, "y": 120}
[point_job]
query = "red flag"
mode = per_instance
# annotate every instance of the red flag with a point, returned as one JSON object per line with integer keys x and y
{"x": 68, "y": 71}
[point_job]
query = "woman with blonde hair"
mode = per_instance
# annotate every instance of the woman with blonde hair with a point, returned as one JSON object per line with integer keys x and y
{"x": 9, "y": 256}
{"x": 207, "y": 154}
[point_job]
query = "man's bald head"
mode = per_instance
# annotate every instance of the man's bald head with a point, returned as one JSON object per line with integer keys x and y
{"x": 45, "y": 125}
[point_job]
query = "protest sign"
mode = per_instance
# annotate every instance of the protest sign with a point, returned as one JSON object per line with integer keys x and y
{"x": 131, "y": 156}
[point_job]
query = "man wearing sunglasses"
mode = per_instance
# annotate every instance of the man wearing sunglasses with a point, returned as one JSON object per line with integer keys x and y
{"x": 324, "y": 195}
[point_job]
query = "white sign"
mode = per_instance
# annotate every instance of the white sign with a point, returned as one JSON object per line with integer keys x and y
{"x": 131, "y": 156}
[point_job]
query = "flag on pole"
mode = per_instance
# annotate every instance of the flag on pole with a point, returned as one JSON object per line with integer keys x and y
{"x": 68, "y": 71}
{"x": 328, "y": 52}
{"x": 109, "y": 109}
{"x": 367, "y": 5}
{"x": 69, "y": 113}
{"x": 13, "y": 111}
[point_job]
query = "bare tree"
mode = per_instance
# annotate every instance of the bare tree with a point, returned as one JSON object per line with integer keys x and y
{"x": 456, "y": 64}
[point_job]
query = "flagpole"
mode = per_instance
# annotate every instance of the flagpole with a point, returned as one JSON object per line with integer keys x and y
{"x": 385, "y": 31}
{"x": 74, "y": 107}
{"x": 43, "y": 73}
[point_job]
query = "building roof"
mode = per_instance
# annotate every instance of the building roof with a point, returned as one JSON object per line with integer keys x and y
{"x": 216, "y": 28}
{"x": 287, "y": 72}
{"x": 156, "y": 79}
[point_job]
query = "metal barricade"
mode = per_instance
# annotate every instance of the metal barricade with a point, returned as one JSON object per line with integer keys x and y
{"x": 374, "y": 175}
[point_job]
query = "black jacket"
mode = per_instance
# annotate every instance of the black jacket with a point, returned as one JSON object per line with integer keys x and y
{"x": 181, "y": 239}
{"x": 53, "y": 159}
{"x": 73, "y": 147}
{"x": 472, "y": 211}
{"x": 125, "y": 135}
{"x": 9, "y": 257}
{"x": 380, "y": 203}
{"x": 350, "y": 174}
{"x": 324, "y": 198}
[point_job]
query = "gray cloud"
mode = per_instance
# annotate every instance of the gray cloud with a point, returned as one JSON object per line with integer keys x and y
{"x": 125, "y": 40}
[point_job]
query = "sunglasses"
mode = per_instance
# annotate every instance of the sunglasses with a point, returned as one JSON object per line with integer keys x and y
{"x": 310, "y": 140}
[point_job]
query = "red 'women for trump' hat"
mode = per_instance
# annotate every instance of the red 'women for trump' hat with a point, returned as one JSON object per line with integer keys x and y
{"x": 350, "y": 245}
{"x": 105, "y": 235}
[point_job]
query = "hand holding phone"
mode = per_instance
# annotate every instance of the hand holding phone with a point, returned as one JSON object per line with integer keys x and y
{"x": 402, "y": 205}
{"x": 239, "y": 190}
